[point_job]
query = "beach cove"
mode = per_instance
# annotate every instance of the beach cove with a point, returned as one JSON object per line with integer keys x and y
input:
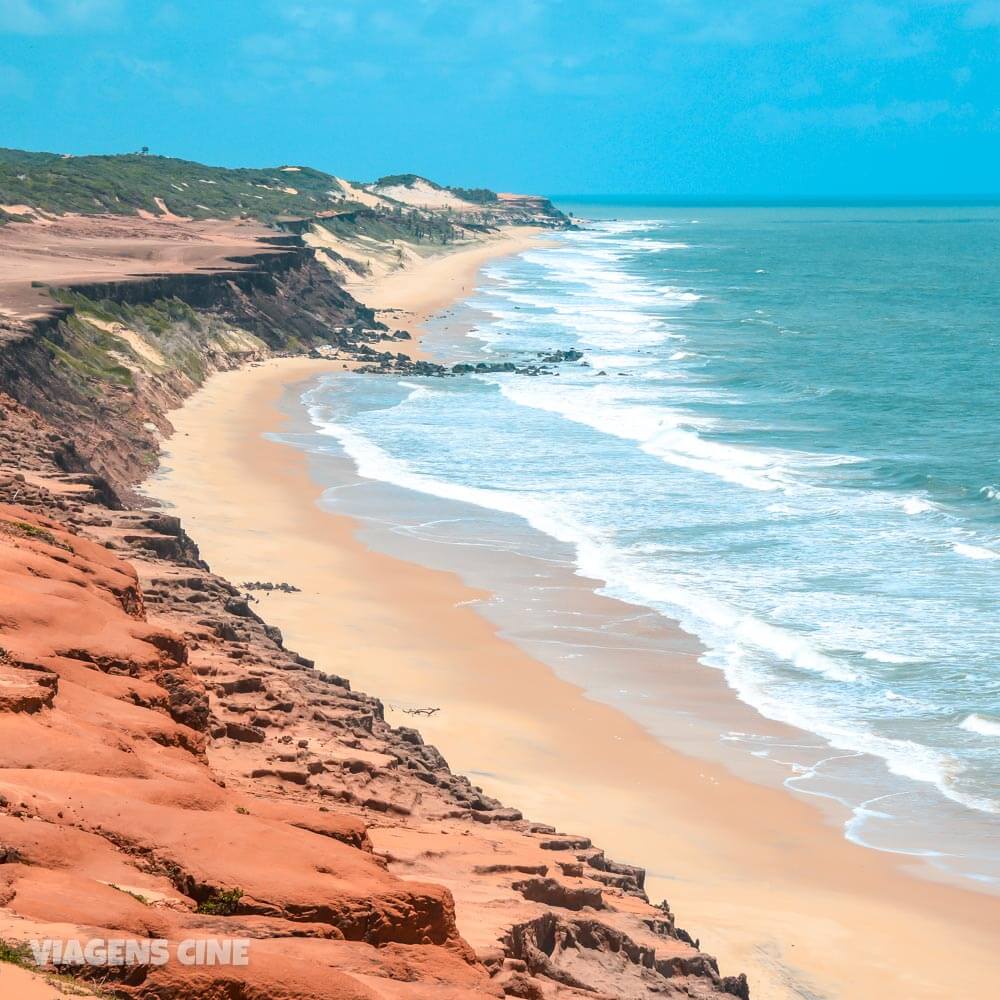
{"x": 781, "y": 893}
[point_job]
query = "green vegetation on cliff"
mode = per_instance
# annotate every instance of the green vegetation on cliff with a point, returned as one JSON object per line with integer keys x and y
{"x": 110, "y": 342}
{"x": 124, "y": 184}
{"x": 478, "y": 196}
{"x": 394, "y": 224}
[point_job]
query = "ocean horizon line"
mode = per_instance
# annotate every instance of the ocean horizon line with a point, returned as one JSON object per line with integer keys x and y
{"x": 817, "y": 201}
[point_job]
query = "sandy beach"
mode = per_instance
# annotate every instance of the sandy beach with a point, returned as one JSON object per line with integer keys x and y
{"x": 769, "y": 884}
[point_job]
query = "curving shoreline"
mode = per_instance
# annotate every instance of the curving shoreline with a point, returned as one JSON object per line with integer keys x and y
{"x": 172, "y": 769}
{"x": 756, "y": 869}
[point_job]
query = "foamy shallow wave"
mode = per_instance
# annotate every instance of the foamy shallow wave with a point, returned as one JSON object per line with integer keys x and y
{"x": 660, "y": 245}
{"x": 974, "y": 551}
{"x": 904, "y": 758}
{"x": 917, "y": 505}
{"x": 662, "y": 432}
{"x": 679, "y": 295}
{"x": 418, "y": 391}
{"x": 599, "y": 359}
{"x": 983, "y": 727}
{"x": 595, "y": 557}
{"x": 629, "y": 226}
{"x": 373, "y": 462}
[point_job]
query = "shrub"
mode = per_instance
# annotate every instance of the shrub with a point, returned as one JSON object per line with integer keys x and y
{"x": 222, "y": 902}
{"x": 15, "y": 953}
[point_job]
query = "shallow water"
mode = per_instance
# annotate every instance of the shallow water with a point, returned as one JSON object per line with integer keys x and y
{"x": 785, "y": 436}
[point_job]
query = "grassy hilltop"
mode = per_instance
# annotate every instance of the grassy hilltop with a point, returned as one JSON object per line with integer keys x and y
{"x": 123, "y": 184}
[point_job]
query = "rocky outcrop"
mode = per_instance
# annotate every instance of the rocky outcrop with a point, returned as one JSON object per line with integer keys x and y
{"x": 114, "y": 817}
{"x": 584, "y": 954}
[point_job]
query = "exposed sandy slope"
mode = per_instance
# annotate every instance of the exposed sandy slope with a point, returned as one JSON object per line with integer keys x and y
{"x": 109, "y": 248}
{"x": 22, "y": 984}
{"x": 423, "y": 195}
{"x": 769, "y": 885}
{"x": 352, "y": 192}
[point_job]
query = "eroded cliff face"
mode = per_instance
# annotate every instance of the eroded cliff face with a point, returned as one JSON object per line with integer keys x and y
{"x": 168, "y": 769}
{"x": 111, "y": 359}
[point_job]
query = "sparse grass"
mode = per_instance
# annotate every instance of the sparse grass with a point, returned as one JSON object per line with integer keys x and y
{"x": 23, "y": 529}
{"x": 16, "y": 953}
{"x": 19, "y": 954}
{"x": 128, "y": 892}
{"x": 222, "y": 902}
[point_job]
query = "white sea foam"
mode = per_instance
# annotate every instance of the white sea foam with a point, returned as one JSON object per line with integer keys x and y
{"x": 631, "y": 226}
{"x": 974, "y": 551}
{"x": 659, "y": 431}
{"x": 679, "y": 296}
{"x": 881, "y": 656}
{"x": 916, "y": 505}
{"x": 904, "y": 758}
{"x": 602, "y": 360}
{"x": 663, "y": 245}
{"x": 896, "y": 698}
{"x": 418, "y": 392}
{"x": 595, "y": 557}
{"x": 373, "y": 462}
{"x": 980, "y": 725}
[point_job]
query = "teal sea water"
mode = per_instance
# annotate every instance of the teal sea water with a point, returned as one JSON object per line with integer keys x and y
{"x": 785, "y": 435}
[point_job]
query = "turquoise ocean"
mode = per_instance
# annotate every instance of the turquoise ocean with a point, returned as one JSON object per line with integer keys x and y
{"x": 785, "y": 435}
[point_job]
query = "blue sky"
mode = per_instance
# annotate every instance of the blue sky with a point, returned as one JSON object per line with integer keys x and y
{"x": 690, "y": 98}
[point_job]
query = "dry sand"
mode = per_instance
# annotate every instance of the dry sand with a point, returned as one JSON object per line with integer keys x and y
{"x": 769, "y": 886}
{"x": 83, "y": 248}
